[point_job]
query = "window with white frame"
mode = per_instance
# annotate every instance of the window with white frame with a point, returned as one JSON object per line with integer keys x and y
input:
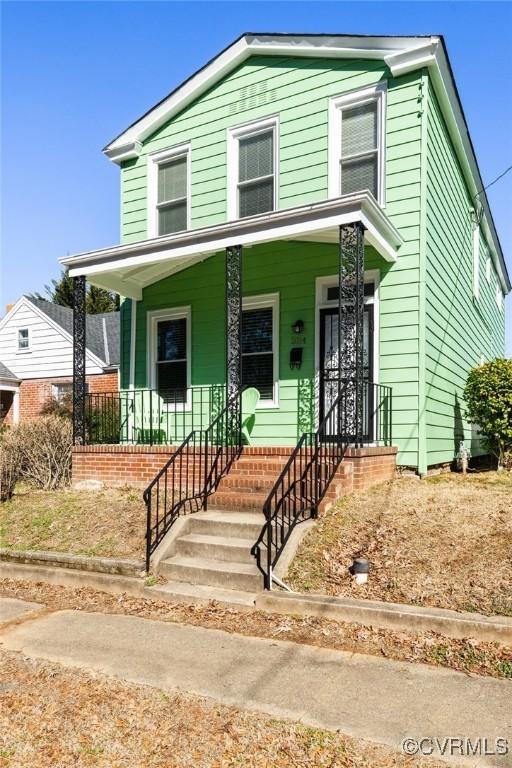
{"x": 62, "y": 392}
{"x": 499, "y": 296}
{"x": 23, "y": 339}
{"x": 476, "y": 262}
{"x": 488, "y": 269}
{"x": 170, "y": 352}
{"x": 259, "y": 346}
{"x": 356, "y": 143}
{"x": 252, "y": 169}
{"x": 169, "y": 191}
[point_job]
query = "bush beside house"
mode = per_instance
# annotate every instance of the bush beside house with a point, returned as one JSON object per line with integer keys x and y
{"x": 488, "y": 396}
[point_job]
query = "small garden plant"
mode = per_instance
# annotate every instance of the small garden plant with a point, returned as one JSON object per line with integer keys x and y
{"x": 488, "y": 396}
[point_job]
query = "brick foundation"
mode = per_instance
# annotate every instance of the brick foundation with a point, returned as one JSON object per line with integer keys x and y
{"x": 138, "y": 464}
{"x": 35, "y": 393}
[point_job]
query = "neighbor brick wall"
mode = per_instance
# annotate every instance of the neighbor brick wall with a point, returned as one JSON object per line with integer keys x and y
{"x": 35, "y": 393}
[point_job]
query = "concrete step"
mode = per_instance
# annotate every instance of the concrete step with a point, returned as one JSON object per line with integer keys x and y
{"x": 224, "y": 548}
{"x": 215, "y": 573}
{"x": 201, "y": 593}
{"x": 242, "y": 525}
{"x": 237, "y": 500}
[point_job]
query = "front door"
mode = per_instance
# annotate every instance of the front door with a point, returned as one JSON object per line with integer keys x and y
{"x": 330, "y": 369}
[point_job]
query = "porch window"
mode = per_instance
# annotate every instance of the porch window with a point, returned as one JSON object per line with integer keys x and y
{"x": 171, "y": 359}
{"x": 252, "y": 163}
{"x": 168, "y": 191}
{"x": 356, "y": 142}
{"x": 23, "y": 339}
{"x": 259, "y": 347}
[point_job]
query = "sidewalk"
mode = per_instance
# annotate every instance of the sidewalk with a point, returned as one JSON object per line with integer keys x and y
{"x": 362, "y": 696}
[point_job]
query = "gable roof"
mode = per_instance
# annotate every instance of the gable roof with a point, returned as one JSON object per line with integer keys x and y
{"x": 5, "y": 373}
{"x": 102, "y": 330}
{"x": 401, "y": 54}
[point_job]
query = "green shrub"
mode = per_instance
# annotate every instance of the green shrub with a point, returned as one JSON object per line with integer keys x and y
{"x": 488, "y": 395}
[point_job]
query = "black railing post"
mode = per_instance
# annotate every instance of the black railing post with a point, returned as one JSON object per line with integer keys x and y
{"x": 233, "y": 339}
{"x": 350, "y": 314}
{"x": 79, "y": 341}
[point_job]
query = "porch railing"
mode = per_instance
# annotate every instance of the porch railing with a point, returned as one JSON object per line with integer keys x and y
{"x": 304, "y": 481}
{"x": 192, "y": 473}
{"x": 148, "y": 417}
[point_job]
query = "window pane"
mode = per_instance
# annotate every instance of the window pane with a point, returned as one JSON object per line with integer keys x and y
{"x": 172, "y": 340}
{"x": 171, "y": 376}
{"x": 358, "y": 129}
{"x": 172, "y": 218}
{"x": 256, "y": 198}
{"x": 358, "y": 175}
{"x": 256, "y": 156}
{"x": 258, "y": 371}
{"x": 23, "y": 338}
{"x": 257, "y": 330}
{"x": 172, "y": 180}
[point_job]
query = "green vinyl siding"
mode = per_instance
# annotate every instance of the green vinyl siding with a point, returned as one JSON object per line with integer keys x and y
{"x": 460, "y": 329}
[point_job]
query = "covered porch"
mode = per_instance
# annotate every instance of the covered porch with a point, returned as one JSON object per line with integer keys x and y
{"x": 253, "y": 304}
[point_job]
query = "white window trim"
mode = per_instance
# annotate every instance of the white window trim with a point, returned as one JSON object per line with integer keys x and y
{"x": 499, "y": 296}
{"x": 263, "y": 301}
{"x": 176, "y": 313}
{"x": 476, "y": 262}
{"x": 154, "y": 160}
{"x": 336, "y": 105}
{"x": 28, "y": 348}
{"x": 321, "y": 302}
{"x": 233, "y": 137}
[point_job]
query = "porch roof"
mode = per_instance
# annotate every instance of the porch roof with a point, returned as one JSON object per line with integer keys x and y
{"x": 128, "y": 269}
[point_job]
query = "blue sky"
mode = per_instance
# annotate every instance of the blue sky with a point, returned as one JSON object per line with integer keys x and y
{"x": 74, "y": 74}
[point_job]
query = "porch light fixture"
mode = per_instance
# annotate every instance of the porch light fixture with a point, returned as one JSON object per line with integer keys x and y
{"x": 298, "y": 326}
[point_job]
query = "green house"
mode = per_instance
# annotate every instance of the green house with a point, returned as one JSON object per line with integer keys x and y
{"x": 241, "y": 193}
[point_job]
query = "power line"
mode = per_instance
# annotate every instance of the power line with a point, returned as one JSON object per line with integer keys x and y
{"x": 494, "y": 181}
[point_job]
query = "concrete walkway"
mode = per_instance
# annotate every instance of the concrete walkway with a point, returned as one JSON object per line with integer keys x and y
{"x": 363, "y": 696}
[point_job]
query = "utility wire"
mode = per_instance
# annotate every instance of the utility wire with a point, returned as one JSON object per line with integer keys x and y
{"x": 493, "y": 182}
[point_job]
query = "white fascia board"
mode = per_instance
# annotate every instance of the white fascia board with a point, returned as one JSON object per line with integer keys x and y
{"x": 432, "y": 56}
{"x": 128, "y": 144}
{"x": 5, "y": 319}
{"x": 9, "y": 385}
{"x": 175, "y": 252}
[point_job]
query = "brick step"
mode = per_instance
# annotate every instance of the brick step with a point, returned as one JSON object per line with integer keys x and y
{"x": 247, "y": 466}
{"x": 224, "y": 548}
{"x": 250, "y": 483}
{"x": 237, "y": 500}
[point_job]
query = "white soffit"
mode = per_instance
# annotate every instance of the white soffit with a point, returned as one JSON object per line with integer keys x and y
{"x": 127, "y": 269}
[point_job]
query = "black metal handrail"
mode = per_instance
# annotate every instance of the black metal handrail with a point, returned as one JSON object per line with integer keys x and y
{"x": 304, "y": 481}
{"x": 192, "y": 473}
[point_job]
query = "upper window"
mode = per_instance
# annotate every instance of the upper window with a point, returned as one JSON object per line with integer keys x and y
{"x": 252, "y": 166}
{"x": 356, "y": 143}
{"x": 259, "y": 346}
{"x": 170, "y": 345}
{"x": 23, "y": 339}
{"x": 168, "y": 192}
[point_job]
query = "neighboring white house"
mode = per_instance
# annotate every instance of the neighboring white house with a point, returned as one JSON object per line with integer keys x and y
{"x": 36, "y": 356}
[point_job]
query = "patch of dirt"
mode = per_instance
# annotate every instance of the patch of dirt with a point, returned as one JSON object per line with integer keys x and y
{"x": 107, "y": 523}
{"x": 469, "y": 656}
{"x": 53, "y": 717}
{"x": 445, "y": 541}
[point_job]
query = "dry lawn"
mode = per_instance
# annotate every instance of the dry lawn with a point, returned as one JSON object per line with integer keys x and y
{"x": 108, "y": 523}
{"x": 53, "y": 717}
{"x": 445, "y": 541}
{"x": 490, "y": 659}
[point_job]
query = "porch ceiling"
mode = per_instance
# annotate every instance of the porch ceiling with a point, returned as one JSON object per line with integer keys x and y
{"x": 128, "y": 269}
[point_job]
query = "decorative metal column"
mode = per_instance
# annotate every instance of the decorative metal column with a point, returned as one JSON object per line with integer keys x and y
{"x": 233, "y": 339}
{"x": 350, "y": 336}
{"x": 79, "y": 360}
